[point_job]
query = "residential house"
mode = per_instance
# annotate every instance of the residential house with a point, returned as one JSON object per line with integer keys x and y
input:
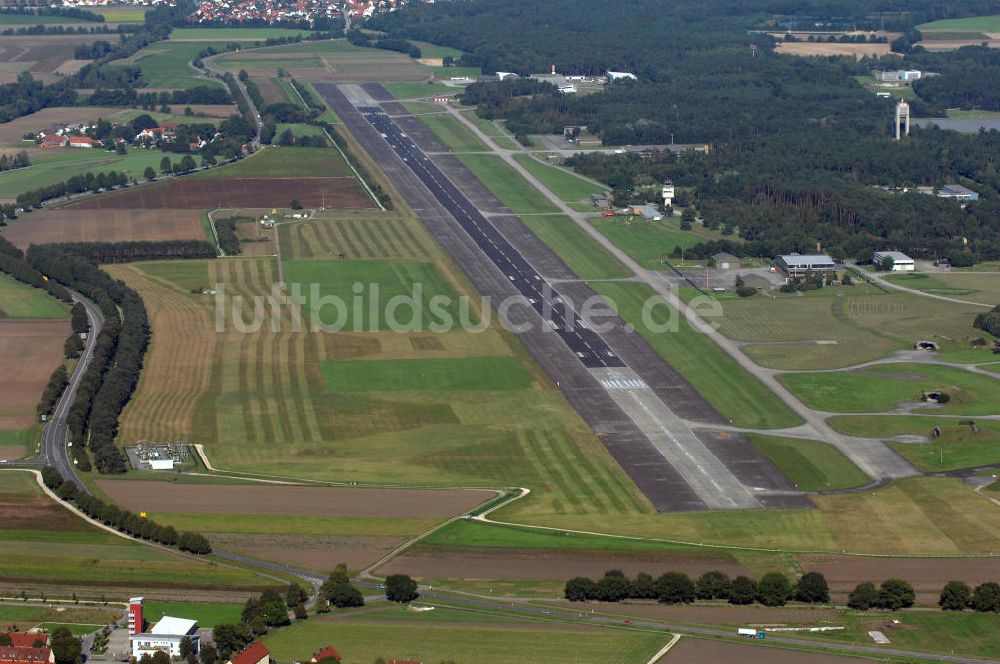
{"x": 255, "y": 653}
{"x": 326, "y": 652}
{"x": 54, "y": 141}
{"x": 83, "y": 142}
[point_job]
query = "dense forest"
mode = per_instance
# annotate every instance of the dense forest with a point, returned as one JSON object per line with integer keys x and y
{"x": 797, "y": 147}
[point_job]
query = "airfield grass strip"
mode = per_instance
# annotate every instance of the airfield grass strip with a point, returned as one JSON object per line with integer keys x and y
{"x": 382, "y": 250}
{"x": 599, "y": 498}
{"x": 352, "y": 248}
{"x": 321, "y": 234}
{"x": 600, "y": 477}
{"x": 279, "y": 367}
{"x": 380, "y": 230}
{"x": 418, "y": 248}
{"x": 548, "y": 468}
{"x": 939, "y": 511}
{"x": 360, "y": 238}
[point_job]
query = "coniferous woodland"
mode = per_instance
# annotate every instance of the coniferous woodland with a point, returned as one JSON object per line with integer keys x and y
{"x": 797, "y": 147}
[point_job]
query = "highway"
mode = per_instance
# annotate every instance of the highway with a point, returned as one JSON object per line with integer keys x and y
{"x": 55, "y": 432}
{"x": 586, "y": 344}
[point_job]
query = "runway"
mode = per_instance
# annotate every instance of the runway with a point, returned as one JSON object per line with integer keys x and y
{"x": 635, "y": 416}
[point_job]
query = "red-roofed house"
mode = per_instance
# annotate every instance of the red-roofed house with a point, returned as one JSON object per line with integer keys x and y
{"x": 25, "y": 655}
{"x": 26, "y": 640}
{"x": 405, "y": 661}
{"x": 255, "y": 653}
{"x": 83, "y": 142}
{"x": 54, "y": 141}
{"x": 327, "y": 652}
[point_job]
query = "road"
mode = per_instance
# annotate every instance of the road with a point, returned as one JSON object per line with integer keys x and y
{"x": 55, "y": 432}
{"x": 877, "y": 279}
{"x": 209, "y": 63}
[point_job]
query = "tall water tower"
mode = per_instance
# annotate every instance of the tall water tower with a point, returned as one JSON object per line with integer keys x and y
{"x": 902, "y": 125}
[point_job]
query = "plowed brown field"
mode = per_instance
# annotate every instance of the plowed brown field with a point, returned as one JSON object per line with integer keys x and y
{"x": 79, "y": 225}
{"x": 194, "y": 194}
{"x": 291, "y": 500}
{"x": 29, "y": 352}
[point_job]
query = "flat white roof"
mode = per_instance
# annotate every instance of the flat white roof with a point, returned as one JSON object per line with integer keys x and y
{"x": 806, "y": 259}
{"x": 169, "y": 625}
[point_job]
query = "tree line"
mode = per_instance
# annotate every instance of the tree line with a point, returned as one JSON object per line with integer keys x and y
{"x": 131, "y": 524}
{"x": 13, "y": 264}
{"x": 55, "y": 10}
{"x": 365, "y": 40}
{"x": 773, "y": 589}
{"x": 58, "y": 30}
{"x": 77, "y": 184}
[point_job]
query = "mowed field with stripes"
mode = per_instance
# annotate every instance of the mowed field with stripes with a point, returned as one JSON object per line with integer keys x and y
{"x": 344, "y": 405}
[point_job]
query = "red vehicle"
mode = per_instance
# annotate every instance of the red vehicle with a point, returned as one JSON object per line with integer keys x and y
{"x": 607, "y": 213}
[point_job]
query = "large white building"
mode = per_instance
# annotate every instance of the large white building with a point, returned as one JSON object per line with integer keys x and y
{"x": 900, "y": 261}
{"x": 165, "y": 636}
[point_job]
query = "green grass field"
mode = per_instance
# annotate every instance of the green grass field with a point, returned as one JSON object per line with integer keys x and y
{"x": 168, "y": 64}
{"x": 456, "y": 136}
{"x": 971, "y": 286}
{"x": 433, "y": 641}
{"x": 10, "y": 19}
{"x": 737, "y": 395}
{"x": 580, "y": 252}
{"x": 121, "y": 13}
{"x": 207, "y": 615}
{"x": 962, "y": 114}
{"x": 958, "y": 446}
{"x": 862, "y": 325}
{"x": 379, "y": 282}
{"x": 297, "y": 131}
{"x": 881, "y": 387}
{"x": 233, "y": 34}
{"x": 61, "y": 164}
{"x": 434, "y": 51}
{"x": 47, "y": 614}
{"x": 467, "y": 373}
{"x": 810, "y": 464}
{"x": 562, "y": 183}
{"x": 18, "y": 300}
{"x": 650, "y": 242}
{"x": 52, "y": 546}
{"x": 419, "y": 90}
{"x": 512, "y": 190}
{"x": 278, "y": 162}
{"x": 971, "y": 24}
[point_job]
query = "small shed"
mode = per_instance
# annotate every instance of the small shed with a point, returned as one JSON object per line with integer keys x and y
{"x": 724, "y": 261}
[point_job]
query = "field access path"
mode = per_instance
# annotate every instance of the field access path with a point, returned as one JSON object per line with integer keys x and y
{"x": 874, "y": 457}
{"x": 636, "y": 403}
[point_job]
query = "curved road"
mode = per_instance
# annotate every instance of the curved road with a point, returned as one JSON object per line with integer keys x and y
{"x": 54, "y": 435}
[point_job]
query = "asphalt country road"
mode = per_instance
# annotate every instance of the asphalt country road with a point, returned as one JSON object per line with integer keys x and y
{"x": 55, "y": 433}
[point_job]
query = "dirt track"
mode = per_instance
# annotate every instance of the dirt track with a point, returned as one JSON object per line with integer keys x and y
{"x": 541, "y": 565}
{"x": 312, "y": 192}
{"x": 29, "y": 351}
{"x": 75, "y": 225}
{"x": 141, "y": 495}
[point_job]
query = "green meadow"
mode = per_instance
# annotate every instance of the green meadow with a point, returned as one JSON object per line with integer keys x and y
{"x": 18, "y": 300}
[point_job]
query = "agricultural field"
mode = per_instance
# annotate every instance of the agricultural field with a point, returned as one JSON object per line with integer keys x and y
{"x": 883, "y": 387}
{"x": 811, "y": 465}
{"x": 282, "y": 162}
{"x": 507, "y": 185}
{"x": 486, "y": 639}
{"x": 45, "y": 56}
{"x": 328, "y": 60}
{"x": 15, "y": 443}
{"x": 374, "y": 235}
{"x": 45, "y": 545}
{"x": 167, "y": 64}
{"x": 452, "y": 133}
{"x": 854, "y": 324}
{"x": 969, "y": 286}
{"x": 18, "y": 300}
{"x": 100, "y": 225}
{"x": 650, "y": 242}
{"x": 968, "y": 24}
{"x": 580, "y": 252}
{"x": 11, "y": 133}
{"x": 29, "y": 351}
{"x": 59, "y": 164}
{"x": 29, "y": 617}
{"x": 959, "y": 445}
{"x": 10, "y": 19}
{"x": 737, "y": 395}
{"x": 827, "y": 49}
{"x": 567, "y": 186}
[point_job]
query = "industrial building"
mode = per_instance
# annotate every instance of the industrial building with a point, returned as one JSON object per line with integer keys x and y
{"x": 900, "y": 261}
{"x": 897, "y": 76}
{"x": 953, "y": 191}
{"x": 725, "y": 261}
{"x": 797, "y": 265}
{"x": 165, "y": 636}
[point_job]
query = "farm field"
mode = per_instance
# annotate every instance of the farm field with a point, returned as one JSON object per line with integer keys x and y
{"x": 14, "y": 443}
{"x": 456, "y": 136}
{"x": 282, "y": 162}
{"x": 120, "y": 13}
{"x": 44, "y": 544}
{"x": 564, "y": 184}
{"x": 29, "y": 351}
{"x": 11, "y": 19}
{"x": 968, "y": 24}
{"x": 250, "y": 192}
{"x": 167, "y": 64}
{"x": 583, "y": 255}
{"x": 12, "y": 132}
{"x": 811, "y": 465}
{"x": 374, "y": 235}
{"x": 25, "y": 618}
{"x": 18, "y": 300}
{"x": 507, "y": 185}
{"x": 42, "y": 55}
{"x": 704, "y": 651}
{"x": 327, "y": 60}
{"x": 650, "y": 242}
{"x": 865, "y": 326}
{"x": 958, "y": 447}
{"x": 59, "y": 164}
{"x": 480, "y": 639}
{"x": 737, "y": 395}
{"x": 881, "y": 387}
{"x": 971, "y": 286}
{"x": 75, "y": 225}
{"x": 825, "y": 49}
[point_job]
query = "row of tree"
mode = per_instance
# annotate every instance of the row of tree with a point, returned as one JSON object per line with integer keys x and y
{"x": 773, "y": 589}
{"x": 367, "y": 40}
{"x": 144, "y": 250}
{"x": 958, "y": 596}
{"x": 77, "y": 184}
{"x": 13, "y": 264}
{"x": 18, "y": 160}
{"x": 126, "y": 95}
{"x": 131, "y": 524}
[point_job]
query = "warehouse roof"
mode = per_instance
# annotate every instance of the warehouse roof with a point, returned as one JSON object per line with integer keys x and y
{"x": 173, "y": 626}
